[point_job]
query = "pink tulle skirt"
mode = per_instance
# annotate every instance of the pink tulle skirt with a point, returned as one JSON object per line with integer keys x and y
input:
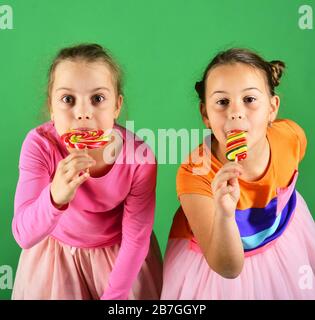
{"x": 285, "y": 270}
{"x": 52, "y": 270}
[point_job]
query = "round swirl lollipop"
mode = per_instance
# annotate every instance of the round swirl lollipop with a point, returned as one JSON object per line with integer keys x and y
{"x": 85, "y": 139}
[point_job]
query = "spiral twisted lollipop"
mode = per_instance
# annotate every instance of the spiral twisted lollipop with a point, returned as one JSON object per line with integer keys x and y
{"x": 85, "y": 139}
{"x": 236, "y": 145}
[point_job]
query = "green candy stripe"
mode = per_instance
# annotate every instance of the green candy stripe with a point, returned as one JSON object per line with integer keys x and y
{"x": 236, "y": 151}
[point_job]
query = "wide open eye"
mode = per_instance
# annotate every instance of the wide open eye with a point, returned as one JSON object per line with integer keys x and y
{"x": 249, "y": 99}
{"x": 223, "y": 102}
{"x": 68, "y": 99}
{"x": 96, "y": 99}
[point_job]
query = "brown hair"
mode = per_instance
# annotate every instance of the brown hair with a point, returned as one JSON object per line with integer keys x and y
{"x": 273, "y": 69}
{"x": 87, "y": 53}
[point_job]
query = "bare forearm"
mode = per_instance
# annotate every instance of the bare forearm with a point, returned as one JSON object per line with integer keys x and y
{"x": 225, "y": 254}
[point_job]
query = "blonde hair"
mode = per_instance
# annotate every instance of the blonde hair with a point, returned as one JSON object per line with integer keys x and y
{"x": 87, "y": 53}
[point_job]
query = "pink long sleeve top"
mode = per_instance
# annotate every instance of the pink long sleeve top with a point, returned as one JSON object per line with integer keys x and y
{"x": 117, "y": 208}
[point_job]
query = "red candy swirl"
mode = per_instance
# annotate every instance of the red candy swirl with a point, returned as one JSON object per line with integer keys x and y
{"x": 82, "y": 139}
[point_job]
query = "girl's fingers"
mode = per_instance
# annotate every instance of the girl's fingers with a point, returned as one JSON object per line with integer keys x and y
{"x": 233, "y": 182}
{"x": 75, "y": 183}
{"x": 231, "y": 168}
{"x": 223, "y": 179}
{"x": 224, "y": 191}
{"x": 231, "y": 190}
{"x": 232, "y": 164}
{"x": 71, "y": 161}
{"x": 76, "y": 164}
{"x": 75, "y": 171}
{"x": 77, "y": 155}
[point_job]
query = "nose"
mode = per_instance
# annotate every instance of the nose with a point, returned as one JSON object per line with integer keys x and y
{"x": 86, "y": 116}
{"x": 236, "y": 112}
{"x": 83, "y": 112}
{"x": 236, "y": 116}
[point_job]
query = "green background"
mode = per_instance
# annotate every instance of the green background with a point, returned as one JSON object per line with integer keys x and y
{"x": 163, "y": 47}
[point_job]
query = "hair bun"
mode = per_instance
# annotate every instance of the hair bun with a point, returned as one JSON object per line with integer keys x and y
{"x": 199, "y": 87}
{"x": 277, "y": 67}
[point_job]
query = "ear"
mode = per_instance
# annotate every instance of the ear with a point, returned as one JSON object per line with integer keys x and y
{"x": 48, "y": 105}
{"x": 274, "y": 108}
{"x": 204, "y": 115}
{"x": 119, "y": 104}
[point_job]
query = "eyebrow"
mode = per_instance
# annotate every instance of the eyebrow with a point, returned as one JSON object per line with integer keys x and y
{"x": 96, "y": 89}
{"x": 220, "y": 91}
